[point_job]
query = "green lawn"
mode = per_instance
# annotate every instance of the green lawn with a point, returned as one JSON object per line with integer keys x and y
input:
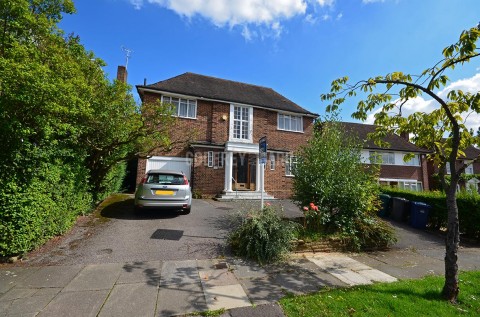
{"x": 403, "y": 298}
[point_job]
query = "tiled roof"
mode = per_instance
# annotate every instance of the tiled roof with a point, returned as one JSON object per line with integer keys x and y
{"x": 471, "y": 153}
{"x": 397, "y": 143}
{"x": 201, "y": 86}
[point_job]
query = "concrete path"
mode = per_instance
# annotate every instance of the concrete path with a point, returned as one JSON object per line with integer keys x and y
{"x": 174, "y": 287}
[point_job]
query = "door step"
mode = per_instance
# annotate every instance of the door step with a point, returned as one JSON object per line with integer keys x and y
{"x": 243, "y": 195}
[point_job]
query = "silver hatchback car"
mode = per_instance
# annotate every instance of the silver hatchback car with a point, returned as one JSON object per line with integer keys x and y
{"x": 164, "y": 189}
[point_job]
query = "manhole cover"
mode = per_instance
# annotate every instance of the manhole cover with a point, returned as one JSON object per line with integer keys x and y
{"x": 167, "y": 234}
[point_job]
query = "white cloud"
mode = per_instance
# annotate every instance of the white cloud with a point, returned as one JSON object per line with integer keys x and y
{"x": 420, "y": 104}
{"x": 309, "y": 18}
{"x": 235, "y": 12}
{"x": 324, "y": 3}
{"x": 372, "y": 1}
{"x": 265, "y": 15}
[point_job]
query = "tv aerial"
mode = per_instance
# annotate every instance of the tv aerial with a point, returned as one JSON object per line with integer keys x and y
{"x": 128, "y": 54}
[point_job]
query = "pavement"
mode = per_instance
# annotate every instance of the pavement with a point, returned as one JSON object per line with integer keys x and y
{"x": 242, "y": 288}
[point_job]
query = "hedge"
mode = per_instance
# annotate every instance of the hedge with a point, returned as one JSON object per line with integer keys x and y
{"x": 468, "y": 208}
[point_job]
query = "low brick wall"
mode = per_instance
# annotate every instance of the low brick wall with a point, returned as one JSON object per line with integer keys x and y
{"x": 328, "y": 245}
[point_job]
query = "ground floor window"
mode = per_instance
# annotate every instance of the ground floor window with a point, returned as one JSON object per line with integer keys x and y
{"x": 412, "y": 185}
{"x": 290, "y": 165}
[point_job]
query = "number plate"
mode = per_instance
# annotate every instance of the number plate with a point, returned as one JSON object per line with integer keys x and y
{"x": 164, "y": 192}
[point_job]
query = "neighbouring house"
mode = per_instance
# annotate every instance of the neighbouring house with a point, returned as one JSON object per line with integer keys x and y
{"x": 469, "y": 180}
{"x": 394, "y": 170}
{"x": 217, "y": 131}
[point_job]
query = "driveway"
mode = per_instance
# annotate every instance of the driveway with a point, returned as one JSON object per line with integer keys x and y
{"x": 116, "y": 234}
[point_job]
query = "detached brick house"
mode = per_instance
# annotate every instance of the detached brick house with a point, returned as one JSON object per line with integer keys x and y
{"x": 394, "y": 171}
{"x": 219, "y": 126}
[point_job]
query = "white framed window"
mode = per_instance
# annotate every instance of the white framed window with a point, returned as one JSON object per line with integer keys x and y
{"x": 385, "y": 158}
{"x": 241, "y": 123}
{"x": 414, "y": 161}
{"x": 210, "y": 159}
{"x": 219, "y": 159}
{"x": 448, "y": 169}
{"x": 272, "y": 161}
{"x": 288, "y": 122}
{"x": 411, "y": 185}
{"x": 290, "y": 165}
{"x": 469, "y": 168}
{"x": 183, "y": 108}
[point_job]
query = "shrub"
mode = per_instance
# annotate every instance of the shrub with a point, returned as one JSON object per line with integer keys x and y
{"x": 263, "y": 236}
{"x": 45, "y": 206}
{"x": 468, "y": 208}
{"x": 331, "y": 176}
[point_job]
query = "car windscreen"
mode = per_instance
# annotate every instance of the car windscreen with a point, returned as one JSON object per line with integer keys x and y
{"x": 165, "y": 179}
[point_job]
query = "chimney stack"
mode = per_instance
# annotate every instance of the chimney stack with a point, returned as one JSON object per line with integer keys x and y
{"x": 122, "y": 74}
{"x": 405, "y": 135}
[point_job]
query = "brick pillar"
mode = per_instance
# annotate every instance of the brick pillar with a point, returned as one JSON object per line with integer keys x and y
{"x": 425, "y": 172}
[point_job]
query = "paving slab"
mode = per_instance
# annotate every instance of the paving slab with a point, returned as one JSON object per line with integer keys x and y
{"x": 29, "y": 306}
{"x": 246, "y": 269}
{"x": 11, "y": 276}
{"x": 95, "y": 277}
{"x": 141, "y": 272}
{"x": 326, "y": 279}
{"x": 208, "y": 264}
{"x": 50, "y": 276}
{"x": 377, "y": 276}
{"x": 217, "y": 278}
{"x": 226, "y": 296}
{"x": 262, "y": 291}
{"x": 180, "y": 299}
{"x": 48, "y": 291}
{"x": 349, "y": 277}
{"x": 73, "y": 304}
{"x": 267, "y": 310}
{"x": 179, "y": 272}
{"x": 16, "y": 293}
{"x": 403, "y": 264}
{"x": 297, "y": 282}
{"x": 127, "y": 300}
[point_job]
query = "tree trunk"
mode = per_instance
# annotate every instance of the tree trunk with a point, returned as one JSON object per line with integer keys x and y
{"x": 451, "y": 289}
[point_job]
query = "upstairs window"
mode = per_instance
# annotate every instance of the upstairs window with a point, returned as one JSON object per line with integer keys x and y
{"x": 241, "y": 121}
{"x": 469, "y": 168}
{"x": 183, "y": 108}
{"x": 290, "y": 123}
{"x": 385, "y": 158}
{"x": 414, "y": 161}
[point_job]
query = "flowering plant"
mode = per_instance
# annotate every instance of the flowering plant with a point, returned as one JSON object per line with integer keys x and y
{"x": 312, "y": 216}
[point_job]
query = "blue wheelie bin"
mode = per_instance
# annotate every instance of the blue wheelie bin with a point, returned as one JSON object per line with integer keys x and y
{"x": 419, "y": 214}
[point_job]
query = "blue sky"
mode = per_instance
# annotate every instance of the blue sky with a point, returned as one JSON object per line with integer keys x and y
{"x": 296, "y": 47}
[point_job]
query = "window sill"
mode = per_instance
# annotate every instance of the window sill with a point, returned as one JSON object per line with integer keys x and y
{"x": 186, "y": 118}
{"x": 301, "y": 132}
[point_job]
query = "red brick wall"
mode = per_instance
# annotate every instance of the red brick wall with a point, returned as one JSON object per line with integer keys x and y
{"x": 207, "y": 181}
{"x": 276, "y": 183}
{"x": 401, "y": 171}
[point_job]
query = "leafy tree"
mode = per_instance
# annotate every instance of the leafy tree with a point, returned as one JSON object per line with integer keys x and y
{"x": 442, "y": 130}
{"x": 65, "y": 129}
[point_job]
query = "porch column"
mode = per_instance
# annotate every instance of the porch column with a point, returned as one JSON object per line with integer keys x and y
{"x": 228, "y": 171}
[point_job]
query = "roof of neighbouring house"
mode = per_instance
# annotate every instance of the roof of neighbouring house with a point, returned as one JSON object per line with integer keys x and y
{"x": 471, "y": 153}
{"x": 207, "y": 87}
{"x": 397, "y": 143}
